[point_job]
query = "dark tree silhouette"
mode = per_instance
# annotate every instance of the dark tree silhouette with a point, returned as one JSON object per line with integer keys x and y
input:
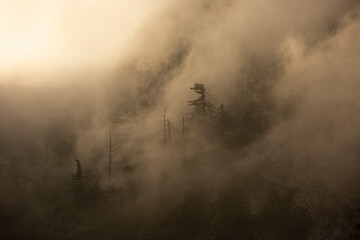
{"x": 223, "y": 122}
{"x": 223, "y": 116}
{"x": 76, "y": 184}
{"x": 204, "y": 110}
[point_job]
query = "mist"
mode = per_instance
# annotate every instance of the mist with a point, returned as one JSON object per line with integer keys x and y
{"x": 186, "y": 120}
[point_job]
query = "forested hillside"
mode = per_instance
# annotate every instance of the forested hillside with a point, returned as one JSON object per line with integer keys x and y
{"x": 222, "y": 120}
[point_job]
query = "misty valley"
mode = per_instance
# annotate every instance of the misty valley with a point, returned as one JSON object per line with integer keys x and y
{"x": 188, "y": 120}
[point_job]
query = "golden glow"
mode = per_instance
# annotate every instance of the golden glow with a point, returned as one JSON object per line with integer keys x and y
{"x": 37, "y": 35}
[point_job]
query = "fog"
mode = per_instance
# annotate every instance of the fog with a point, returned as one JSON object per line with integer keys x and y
{"x": 47, "y": 37}
{"x": 279, "y": 160}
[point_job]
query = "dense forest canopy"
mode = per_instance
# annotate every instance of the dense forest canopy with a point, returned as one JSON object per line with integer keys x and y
{"x": 230, "y": 119}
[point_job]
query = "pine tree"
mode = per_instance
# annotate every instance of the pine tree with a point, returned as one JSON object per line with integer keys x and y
{"x": 204, "y": 110}
{"x": 221, "y": 113}
{"x": 223, "y": 117}
{"x": 76, "y": 185}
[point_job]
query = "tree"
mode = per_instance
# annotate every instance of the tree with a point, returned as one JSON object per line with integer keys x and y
{"x": 204, "y": 110}
{"x": 223, "y": 119}
{"x": 76, "y": 185}
{"x": 222, "y": 115}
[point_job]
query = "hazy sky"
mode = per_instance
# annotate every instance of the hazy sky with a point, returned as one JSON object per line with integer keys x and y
{"x": 46, "y": 35}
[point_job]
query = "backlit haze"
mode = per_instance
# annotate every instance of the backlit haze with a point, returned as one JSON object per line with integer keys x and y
{"x": 187, "y": 119}
{"x": 41, "y": 37}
